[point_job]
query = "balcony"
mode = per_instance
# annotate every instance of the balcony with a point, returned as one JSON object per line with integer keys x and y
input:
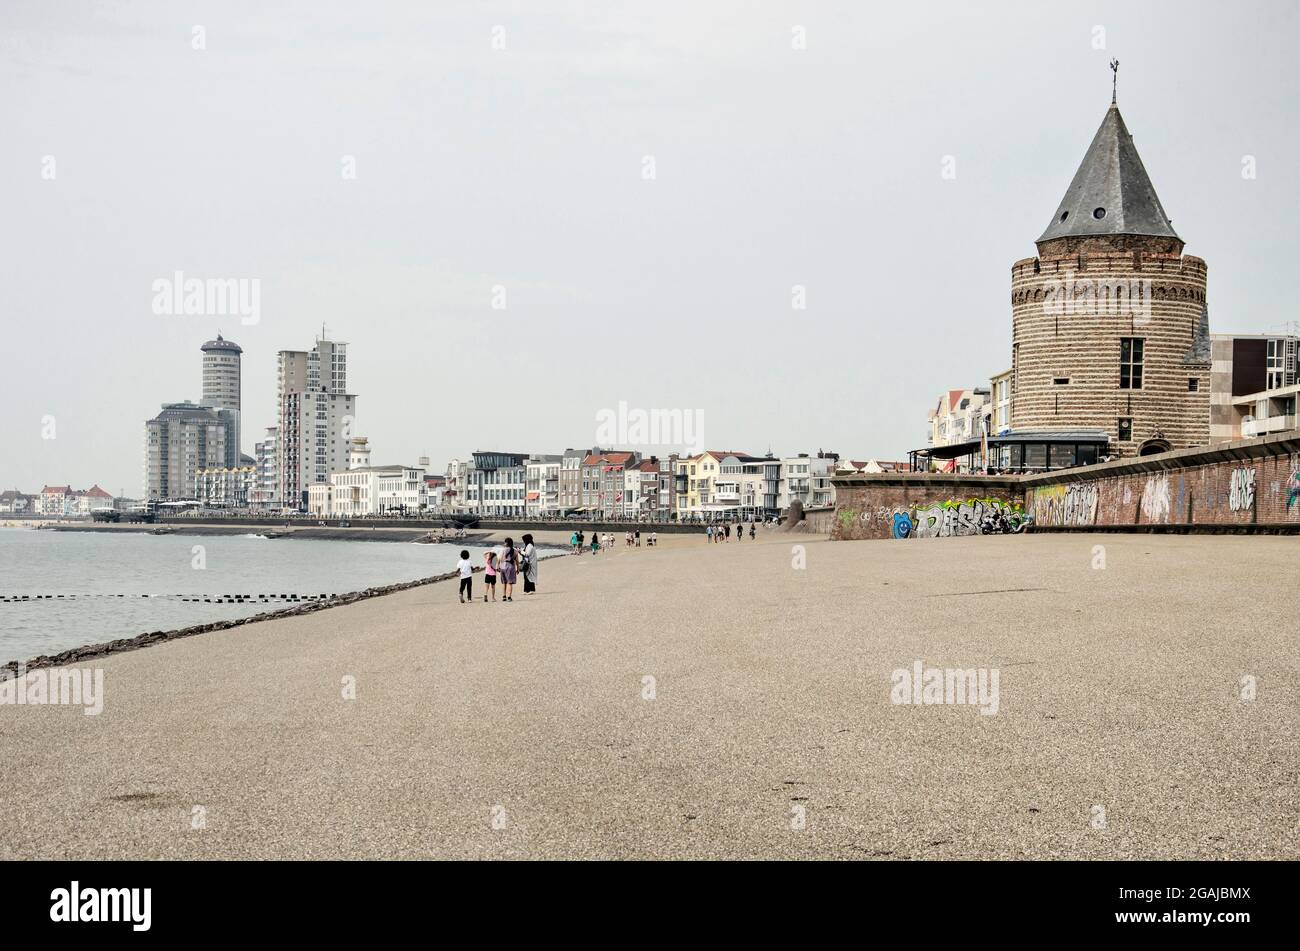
{"x": 1269, "y": 424}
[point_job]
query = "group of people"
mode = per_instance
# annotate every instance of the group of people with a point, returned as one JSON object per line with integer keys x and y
{"x": 503, "y": 564}
{"x": 599, "y": 540}
{"x": 722, "y": 533}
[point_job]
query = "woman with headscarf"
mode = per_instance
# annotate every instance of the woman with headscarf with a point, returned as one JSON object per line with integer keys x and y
{"x": 530, "y": 565}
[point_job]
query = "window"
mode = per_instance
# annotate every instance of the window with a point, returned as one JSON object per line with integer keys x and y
{"x": 1130, "y": 363}
{"x": 1060, "y": 381}
{"x": 1193, "y": 384}
{"x": 1125, "y": 428}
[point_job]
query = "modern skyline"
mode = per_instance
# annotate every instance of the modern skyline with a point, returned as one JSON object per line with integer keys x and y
{"x": 521, "y": 169}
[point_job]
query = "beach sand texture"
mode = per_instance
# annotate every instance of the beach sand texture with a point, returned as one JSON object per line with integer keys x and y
{"x": 526, "y": 730}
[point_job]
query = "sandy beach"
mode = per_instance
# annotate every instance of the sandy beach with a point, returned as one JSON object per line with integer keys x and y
{"x": 531, "y": 730}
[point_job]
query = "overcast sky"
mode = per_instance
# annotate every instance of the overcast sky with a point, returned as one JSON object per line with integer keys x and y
{"x": 524, "y": 167}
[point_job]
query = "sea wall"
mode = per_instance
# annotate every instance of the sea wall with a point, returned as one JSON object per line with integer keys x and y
{"x": 1245, "y": 486}
{"x": 1250, "y": 485}
{"x": 926, "y": 505}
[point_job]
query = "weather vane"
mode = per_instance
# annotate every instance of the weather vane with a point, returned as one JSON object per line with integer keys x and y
{"x": 1114, "y": 79}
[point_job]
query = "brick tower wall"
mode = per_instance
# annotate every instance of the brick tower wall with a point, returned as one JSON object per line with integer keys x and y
{"x": 1070, "y": 308}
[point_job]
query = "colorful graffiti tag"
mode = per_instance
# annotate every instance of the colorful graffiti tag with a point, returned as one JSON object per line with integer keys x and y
{"x": 1073, "y": 504}
{"x": 1293, "y": 488}
{"x": 957, "y": 517}
{"x": 1241, "y": 490}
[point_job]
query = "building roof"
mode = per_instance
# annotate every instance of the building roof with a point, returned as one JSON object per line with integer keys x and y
{"x": 65, "y": 489}
{"x": 610, "y": 458}
{"x": 1111, "y": 193}
{"x": 221, "y": 343}
{"x": 12, "y": 495}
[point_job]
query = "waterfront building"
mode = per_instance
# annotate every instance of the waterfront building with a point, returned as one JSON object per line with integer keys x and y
{"x": 1110, "y": 326}
{"x": 957, "y": 417}
{"x": 603, "y": 483}
{"x": 314, "y": 417}
{"x": 495, "y": 484}
{"x": 542, "y": 485}
{"x": 807, "y": 479}
{"x": 222, "y": 382}
{"x": 92, "y": 500}
{"x": 666, "y": 506}
{"x": 184, "y": 438}
{"x": 266, "y": 493}
{"x": 746, "y": 487}
{"x": 226, "y": 486}
{"x": 1254, "y": 385}
{"x": 435, "y": 490}
{"x": 570, "y": 481}
{"x": 370, "y": 490}
{"x": 456, "y": 481}
{"x": 997, "y": 411}
{"x": 13, "y": 502}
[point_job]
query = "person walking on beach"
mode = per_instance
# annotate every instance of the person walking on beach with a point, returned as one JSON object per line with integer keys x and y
{"x": 489, "y": 575}
{"x": 466, "y": 572}
{"x": 726, "y": 532}
{"x": 753, "y": 530}
{"x": 582, "y": 537}
{"x": 529, "y": 565}
{"x": 708, "y": 533}
{"x": 574, "y": 543}
{"x": 654, "y": 539}
{"x": 595, "y": 543}
{"x": 508, "y": 570}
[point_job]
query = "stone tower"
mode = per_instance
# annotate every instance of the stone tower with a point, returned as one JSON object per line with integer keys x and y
{"x": 1110, "y": 328}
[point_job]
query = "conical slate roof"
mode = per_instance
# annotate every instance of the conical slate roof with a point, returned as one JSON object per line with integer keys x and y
{"x": 1111, "y": 193}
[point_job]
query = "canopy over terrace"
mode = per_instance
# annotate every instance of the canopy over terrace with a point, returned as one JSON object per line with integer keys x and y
{"x": 1023, "y": 451}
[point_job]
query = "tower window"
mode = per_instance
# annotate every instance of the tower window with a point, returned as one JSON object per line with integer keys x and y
{"x": 1099, "y": 213}
{"x": 1064, "y": 215}
{"x": 1125, "y": 428}
{"x": 1130, "y": 363}
{"x": 1193, "y": 384}
{"x": 1060, "y": 381}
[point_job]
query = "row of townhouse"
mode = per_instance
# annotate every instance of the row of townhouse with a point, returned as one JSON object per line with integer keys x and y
{"x": 56, "y": 500}
{"x": 614, "y": 483}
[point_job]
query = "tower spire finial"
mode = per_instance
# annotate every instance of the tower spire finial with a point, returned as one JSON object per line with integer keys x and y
{"x": 1114, "y": 80}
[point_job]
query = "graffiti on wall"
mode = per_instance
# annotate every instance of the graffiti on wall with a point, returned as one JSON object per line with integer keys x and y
{"x": 1293, "y": 488}
{"x": 1241, "y": 490}
{"x": 1074, "y": 504}
{"x": 956, "y": 517}
{"x": 1155, "y": 498}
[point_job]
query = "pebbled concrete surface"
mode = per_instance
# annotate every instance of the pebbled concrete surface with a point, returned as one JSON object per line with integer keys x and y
{"x": 1118, "y": 687}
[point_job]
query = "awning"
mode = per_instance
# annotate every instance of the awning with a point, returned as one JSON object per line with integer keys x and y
{"x": 533, "y": 496}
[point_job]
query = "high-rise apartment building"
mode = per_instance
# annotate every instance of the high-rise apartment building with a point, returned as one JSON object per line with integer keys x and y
{"x": 314, "y": 415}
{"x": 221, "y": 390}
{"x": 181, "y": 440}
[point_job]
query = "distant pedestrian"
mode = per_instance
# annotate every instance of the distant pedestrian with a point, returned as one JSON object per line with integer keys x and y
{"x": 595, "y": 543}
{"x": 638, "y": 538}
{"x": 529, "y": 565}
{"x": 709, "y": 533}
{"x": 753, "y": 530}
{"x": 490, "y": 575}
{"x": 508, "y": 569}
{"x": 654, "y": 539}
{"x": 726, "y": 532}
{"x": 574, "y": 543}
{"x": 582, "y": 538}
{"x": 466, "y": 572}
{"x": 627, "y": 540}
